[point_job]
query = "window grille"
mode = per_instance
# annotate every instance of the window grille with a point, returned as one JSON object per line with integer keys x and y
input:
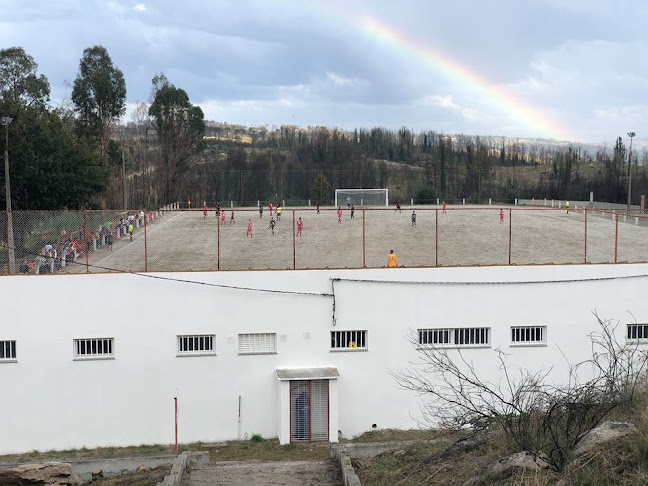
{"x": 455, "y": 337}
{"x": 349, "y": 340}
{"x": 94, "y": 348}
{"x": 637, "y": 333}
{"x": 528, "y": 334}
{"x": 259, "y": 343}
{"x": 196, "y": 344}
{"x": 7, "y": 350}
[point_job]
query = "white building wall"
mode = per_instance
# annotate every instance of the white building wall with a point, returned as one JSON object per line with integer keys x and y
{"x": 53, "y": 402}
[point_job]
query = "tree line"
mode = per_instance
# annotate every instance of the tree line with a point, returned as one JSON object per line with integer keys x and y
{"x": 86, "y": 154}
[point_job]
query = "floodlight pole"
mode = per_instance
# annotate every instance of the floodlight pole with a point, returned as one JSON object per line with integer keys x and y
{"x": 11, "y": 263}
{"x": 631, "y": 135}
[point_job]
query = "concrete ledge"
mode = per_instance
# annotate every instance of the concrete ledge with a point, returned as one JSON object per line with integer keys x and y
{"x": 349, "y": 477}
{"x": 110, "y": 467}
{"x": 371, "y": 449}
{"x": 177, "y": 471}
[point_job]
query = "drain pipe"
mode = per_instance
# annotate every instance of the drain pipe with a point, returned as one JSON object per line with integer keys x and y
{"x": 175, "y": 400}
{"x": 239, "y": 418}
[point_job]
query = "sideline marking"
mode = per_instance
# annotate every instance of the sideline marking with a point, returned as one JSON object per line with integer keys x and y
{"x": 148, "y": 233}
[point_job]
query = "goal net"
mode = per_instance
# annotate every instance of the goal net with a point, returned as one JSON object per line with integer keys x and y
{"x": 362, "y": 197}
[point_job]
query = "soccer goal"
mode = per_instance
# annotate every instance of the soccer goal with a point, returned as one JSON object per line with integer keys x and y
{"x": 362, "y": 197}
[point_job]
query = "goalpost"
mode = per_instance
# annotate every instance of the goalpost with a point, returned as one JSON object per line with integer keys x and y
{"x": 362, "y": 197}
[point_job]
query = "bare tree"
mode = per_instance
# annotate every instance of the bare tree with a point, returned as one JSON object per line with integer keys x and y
{"x": 547, "y": 419}
{"x": 143, "y": 129}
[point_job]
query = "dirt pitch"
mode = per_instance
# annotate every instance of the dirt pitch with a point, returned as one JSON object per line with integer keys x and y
{"x": 185, "y": 240}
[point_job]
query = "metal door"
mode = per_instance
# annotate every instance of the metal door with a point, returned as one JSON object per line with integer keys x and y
{"x": 309, "y": 410}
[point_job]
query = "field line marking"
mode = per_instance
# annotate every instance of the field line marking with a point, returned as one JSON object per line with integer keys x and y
{"x": 148, "y": 233}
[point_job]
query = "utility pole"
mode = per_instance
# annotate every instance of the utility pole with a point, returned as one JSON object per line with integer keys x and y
{"x": 11, "y": 264}
{"x": 631, "y": 135}
{"x": 123, "y": 175}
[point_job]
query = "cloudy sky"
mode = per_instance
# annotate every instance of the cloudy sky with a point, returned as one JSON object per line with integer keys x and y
{"x": 563, "y": 69}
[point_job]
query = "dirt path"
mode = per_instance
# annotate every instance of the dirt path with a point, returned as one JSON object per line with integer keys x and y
{"x": 285, "y": 473}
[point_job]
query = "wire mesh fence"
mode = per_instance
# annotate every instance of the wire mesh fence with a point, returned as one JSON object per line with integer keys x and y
{"x": 170, "y": 239}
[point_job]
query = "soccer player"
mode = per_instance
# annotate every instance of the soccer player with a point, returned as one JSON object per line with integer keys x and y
{"x": 223, "y": 216}
{"x": 232, "y": 218}
{"x": 300, "y": 225}
{"x": 260, "y": 210}
{"x": 272, "y": 225}
{"x": 217, "y": 214}
{"x": 444, "y": 207}
{"x": 348, "y": 201}
{"x": 397, "y": 207}
{"x": 318, "y": 207}
{"x": 392, "y": 259}
{"x": 249, "y": 229}
{"x": 352, "y": 211}
{"x": 270, "y": 208}
{"x": 339, "y": 215}
{"x": 205, "y": 210}
{"x": 501, "y": 215}
{"x": 413, "y": 218}
{"x": 130, "y": 230}
{"x": 279, "y": 210}
{"x": 567, "y": 207}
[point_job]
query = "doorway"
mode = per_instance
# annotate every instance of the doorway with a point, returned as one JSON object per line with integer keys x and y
{"x": 309, "y": 410}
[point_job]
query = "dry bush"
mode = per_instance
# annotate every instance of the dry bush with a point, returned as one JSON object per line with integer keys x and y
{"x": 535, "y": 414}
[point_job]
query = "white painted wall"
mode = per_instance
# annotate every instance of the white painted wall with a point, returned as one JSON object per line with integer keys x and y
{"x": 52, "y": 402}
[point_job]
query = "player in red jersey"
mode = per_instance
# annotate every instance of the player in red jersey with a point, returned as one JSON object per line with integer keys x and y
{"x": 205, "y": 210}
{"x": 270, "y": 208}
{"x": 300, "y": 225}
{"x": 339, "y": 215}
{"x": 223, "y": 216}
{"x": 249, "y": 229}
{"x": 444, "y": 207}
{"x": 501, "y": 216}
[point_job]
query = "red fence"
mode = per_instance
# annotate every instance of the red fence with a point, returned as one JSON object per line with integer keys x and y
{"x": 46, "y": 242}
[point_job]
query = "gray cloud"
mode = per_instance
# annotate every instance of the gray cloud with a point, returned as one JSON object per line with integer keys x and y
{"x": 579, "y": 63}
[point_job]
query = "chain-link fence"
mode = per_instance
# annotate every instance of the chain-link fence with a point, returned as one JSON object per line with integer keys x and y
{"x": 170, "y": 239}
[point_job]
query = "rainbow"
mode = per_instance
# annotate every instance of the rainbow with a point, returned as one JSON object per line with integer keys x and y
{"x": 499, "y": 97}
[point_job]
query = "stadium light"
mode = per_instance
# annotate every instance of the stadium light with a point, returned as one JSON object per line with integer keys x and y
{"x": 631, "y": 135}
{"x": 5, "y": 120}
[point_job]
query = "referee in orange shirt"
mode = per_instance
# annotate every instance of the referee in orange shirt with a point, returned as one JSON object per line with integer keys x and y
{"x": 392, "y": 260}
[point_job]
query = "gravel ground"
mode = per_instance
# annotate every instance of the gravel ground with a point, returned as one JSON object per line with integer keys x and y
{"x": 466, "y": 236}
{"x": 288, "y": 473}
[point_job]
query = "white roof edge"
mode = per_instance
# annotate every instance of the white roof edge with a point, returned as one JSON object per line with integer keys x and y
{"x": 316, "y": 373}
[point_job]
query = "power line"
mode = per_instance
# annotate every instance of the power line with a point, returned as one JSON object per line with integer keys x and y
{"x": 508, "y": 282}
{"x": 194, "y": 282}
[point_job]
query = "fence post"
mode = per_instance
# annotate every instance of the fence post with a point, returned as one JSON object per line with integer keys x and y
{"x": 436, "y": 239}
{"x": 616, "y": 239}
{"x": 364, "y": 257}
{"x": 85, "y": 239}
{"x": 218, "y": 244}
{"x": 510, "y": 233}
{"x": 294, "y": 243}
{"x": 145, "y": 246}
{"x": 8, "y": 247}
{"x": 585, "y": 211}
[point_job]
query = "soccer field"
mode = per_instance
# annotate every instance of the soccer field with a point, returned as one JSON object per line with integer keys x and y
{"x": 184, "y": 240}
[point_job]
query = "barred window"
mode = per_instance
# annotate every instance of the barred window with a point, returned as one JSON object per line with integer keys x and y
{"x": 454, "y": 337}
{"x": 7, "y": 350}
{"x": 196, "y": 344}
{"x": 528, "y": 335}
{"x": 434, "y": 336}
{"x": 258, "y": 343}
{"x": 348, "y": 340}
{"x": 92, "y": 348}
{"x": 637, "y": 333}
